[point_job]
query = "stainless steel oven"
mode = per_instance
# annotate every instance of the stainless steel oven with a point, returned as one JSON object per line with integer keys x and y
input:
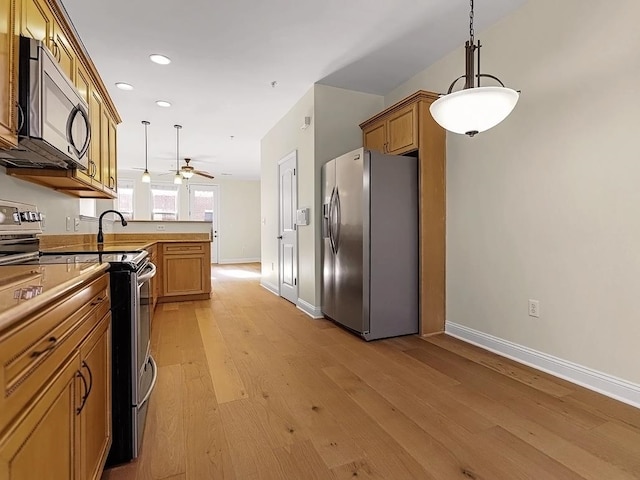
{"x": 134, "y": 371}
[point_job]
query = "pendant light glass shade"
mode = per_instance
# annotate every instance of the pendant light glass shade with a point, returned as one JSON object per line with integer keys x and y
{"x": 177, "y": 179}
{"x": 474, "y": 110}
{"x": 146, "y": 177}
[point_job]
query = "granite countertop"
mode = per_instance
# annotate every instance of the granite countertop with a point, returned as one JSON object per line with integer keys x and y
{"x": 124, "y": 246}
{"x": 27, "y": 288}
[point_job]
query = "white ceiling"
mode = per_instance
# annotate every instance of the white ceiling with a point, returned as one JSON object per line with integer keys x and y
{"x": 225, "y": 54}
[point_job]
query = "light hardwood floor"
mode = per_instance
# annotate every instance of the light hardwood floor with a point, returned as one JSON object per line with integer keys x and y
{"x": 251, "y": 388}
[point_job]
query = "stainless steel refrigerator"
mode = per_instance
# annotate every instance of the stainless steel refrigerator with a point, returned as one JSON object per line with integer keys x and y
{"x": 370, "y": 243}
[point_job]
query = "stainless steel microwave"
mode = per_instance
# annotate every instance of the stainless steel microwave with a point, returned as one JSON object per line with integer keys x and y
{"x": 53, "y": 119}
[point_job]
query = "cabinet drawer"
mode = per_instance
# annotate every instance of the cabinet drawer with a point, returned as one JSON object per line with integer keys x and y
{"x": 33, "y": 350}
{"x": 181, "y": 248}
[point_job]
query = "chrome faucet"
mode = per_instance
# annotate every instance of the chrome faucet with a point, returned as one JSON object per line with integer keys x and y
{"x": 100, "y": 235}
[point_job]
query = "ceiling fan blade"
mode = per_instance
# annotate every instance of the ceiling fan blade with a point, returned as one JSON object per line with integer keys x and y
{"x": 204, "y": 174}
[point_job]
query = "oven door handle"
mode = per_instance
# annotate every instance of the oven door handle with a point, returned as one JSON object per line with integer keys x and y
{"x": 150, "y": 273}
{"x": 152, "y": 362}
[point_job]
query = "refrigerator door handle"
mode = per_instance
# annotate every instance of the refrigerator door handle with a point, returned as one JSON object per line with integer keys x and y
{"x": 338, "y": 221}
{"x": 332, "y": 239}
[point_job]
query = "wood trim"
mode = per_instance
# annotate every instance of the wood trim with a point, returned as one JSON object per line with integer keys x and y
{"x": 184, "y": 298}
{"x": 433, "y": 213}
{"x": 419, "y": 95}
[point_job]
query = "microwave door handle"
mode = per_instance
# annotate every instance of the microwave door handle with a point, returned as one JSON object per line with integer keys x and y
{"x": 72, "y": 116}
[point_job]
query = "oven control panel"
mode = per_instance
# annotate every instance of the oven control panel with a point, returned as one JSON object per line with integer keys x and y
{"x": 16, "y": 218}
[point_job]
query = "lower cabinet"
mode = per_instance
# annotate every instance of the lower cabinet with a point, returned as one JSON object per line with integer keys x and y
{"x": 95, "y": 409}
{"x": 61, "y": 428}
{"x": 42, "y": 443}
{"x": 186, "y": 270}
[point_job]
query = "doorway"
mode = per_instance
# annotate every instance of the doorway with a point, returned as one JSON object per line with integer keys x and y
{"x": 287, "y": 230}
{"x": 204, "y": 206}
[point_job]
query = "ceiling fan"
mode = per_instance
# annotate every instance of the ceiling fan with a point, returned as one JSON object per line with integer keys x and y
{"x": 187, "y": 171}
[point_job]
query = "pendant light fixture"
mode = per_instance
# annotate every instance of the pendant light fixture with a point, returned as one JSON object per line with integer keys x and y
{"x": 178, "y": 178}
{"x": 473, "y": 109}
{"x": 146, "y": 177}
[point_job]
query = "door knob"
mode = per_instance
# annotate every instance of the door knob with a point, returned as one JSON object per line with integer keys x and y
{"x": 279, "y": 237}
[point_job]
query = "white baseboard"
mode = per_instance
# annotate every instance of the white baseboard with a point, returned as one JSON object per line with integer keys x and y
{"x": 270, "y": 286}
{"x": 227, "y": 261}
{"x": 608, "y": 385}
{"x": 311, "y": 310}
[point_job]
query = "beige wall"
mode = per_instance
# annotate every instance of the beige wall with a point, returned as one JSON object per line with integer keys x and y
{"x": 335, "y": 115}
{"x": 545, "y": 206}
{"x": 239, "y": 222}
{"x": 285, "y": 137}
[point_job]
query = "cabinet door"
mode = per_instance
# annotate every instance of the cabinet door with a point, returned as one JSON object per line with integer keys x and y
{"x": 8, "y": 74}
{"x": 83, "y": 84}
{"x": 402, "y": 130}
{"x": 184, "y": 274}
{"x": 95, "y": 147}
{"x": 113, "y": 161}
{"x": 63, "y": 51}
{"x": 104, "y": 147}
{"x": 37, "y": 21}
{"x": 95, "y": 416}
{"x": 42, "y": 445}
{"x": 375, "y": 137}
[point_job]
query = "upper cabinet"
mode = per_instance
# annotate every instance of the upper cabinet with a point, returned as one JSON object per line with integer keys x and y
{"x": 8, "y": 74}
{"x": 396, "y": 133}
{"x": 45, "y": 20}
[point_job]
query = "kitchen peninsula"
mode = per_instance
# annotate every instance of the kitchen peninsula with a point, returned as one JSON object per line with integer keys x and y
{"x": 183, "y": 260}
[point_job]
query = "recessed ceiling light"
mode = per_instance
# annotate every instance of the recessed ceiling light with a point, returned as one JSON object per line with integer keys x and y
{"x": 163, "y": 103}
{"x": 124, "y": 86}
{"x": 160, "y": 59}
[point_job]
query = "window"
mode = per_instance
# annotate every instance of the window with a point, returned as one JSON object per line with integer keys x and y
{"x": 125, "y": 198}
{"x": 201, "y": 203}
{"x": 164, "y": 202}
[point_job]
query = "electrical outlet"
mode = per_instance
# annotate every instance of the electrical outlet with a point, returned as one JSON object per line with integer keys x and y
{"x": 161, "y": 227}
{"x": 76, "y": 224}
{"x": 68, "y": 224}
{"x": 534, "y": 308}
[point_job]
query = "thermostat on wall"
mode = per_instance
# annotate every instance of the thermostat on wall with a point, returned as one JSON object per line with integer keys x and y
{"x": 302, "y": 216}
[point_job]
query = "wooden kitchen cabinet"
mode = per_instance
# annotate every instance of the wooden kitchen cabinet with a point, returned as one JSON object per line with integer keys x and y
{"x": 42, "y": 443}
{"x": 186, "y": 271}
{"x": 395, "y": 133}
{"x": 8, "y": 73}
{"x": 55, "y": 411}
{"x": 408, "y": 128}
{"x": 45, "y": 20}
{"x": 95, "y": 415}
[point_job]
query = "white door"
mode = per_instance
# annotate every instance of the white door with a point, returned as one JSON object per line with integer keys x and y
{"x": 288, "y": 235}
{"x": 204, "y": 207}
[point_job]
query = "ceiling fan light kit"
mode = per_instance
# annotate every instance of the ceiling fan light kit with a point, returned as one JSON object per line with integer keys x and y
{"x": 473, "y": 109}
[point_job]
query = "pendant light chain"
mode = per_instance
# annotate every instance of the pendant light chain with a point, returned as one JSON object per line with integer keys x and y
{"x": 146, "y": 146}
{"x": 471, "y": 30}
